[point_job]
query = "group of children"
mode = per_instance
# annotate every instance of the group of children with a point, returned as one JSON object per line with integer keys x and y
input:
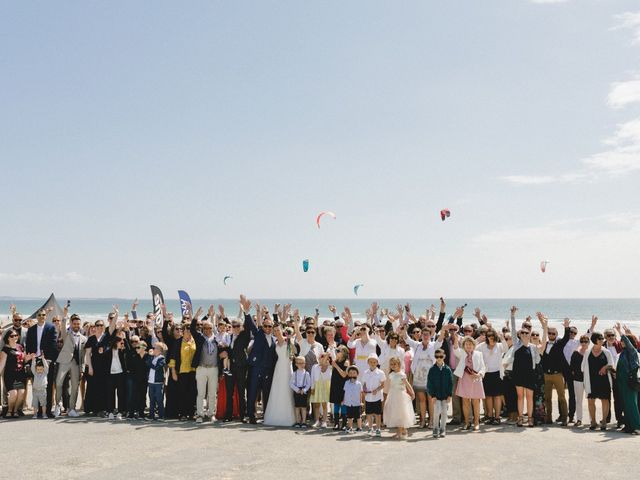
{"x": 386, "y": 397}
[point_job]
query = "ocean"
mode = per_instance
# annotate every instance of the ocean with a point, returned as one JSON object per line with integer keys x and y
{"x": 579, "y": 311}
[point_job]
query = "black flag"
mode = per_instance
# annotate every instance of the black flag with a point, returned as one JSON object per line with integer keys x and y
{"x": 158, "y": 303}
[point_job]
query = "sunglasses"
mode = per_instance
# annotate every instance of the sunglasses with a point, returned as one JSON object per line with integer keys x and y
{"x": 610, "y": 335}
{"x": 431, "y": 326}
{"x": 310, "y": 332}
{"x": 235, "y": 326}
{"x": 42, "y": 315}
{"x": 584, "y": 341}
{"x": 535, "y": 334}
{"x": 270, "y": 326}
{"x": 439, "y": 356}
{"x": 525, "y": 333}
{"x": 13, "y": 335}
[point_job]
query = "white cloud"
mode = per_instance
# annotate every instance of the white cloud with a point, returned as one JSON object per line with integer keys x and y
{"x": 40, "y": 278}
{"x": 623, "y": 156}
{"x": 629, "y": 20}
{"x": 624, "y": 93}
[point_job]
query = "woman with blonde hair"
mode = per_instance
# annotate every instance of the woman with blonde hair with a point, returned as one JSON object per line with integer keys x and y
{"x": 470, "y": 370}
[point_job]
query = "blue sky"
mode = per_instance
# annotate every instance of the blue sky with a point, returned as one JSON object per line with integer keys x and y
{"x": 176, "y": 143}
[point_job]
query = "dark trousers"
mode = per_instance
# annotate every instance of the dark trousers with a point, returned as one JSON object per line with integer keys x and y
{"x": 156, "y": 400}
{"x": 136, "y": 394}
{"x": 171, "y": 393}
{"x": 259, "y": 381}
{"x": 238, "y": 379}
{"x": 116, "y": 384}
{"x": 96, "y": 392}
{"x": 186, "y": 393}
{"x": 618, "y": 406}
{"x": 51, "y": 381}
{"x": 572, "y": 394}
{"x": 510, "y": 395}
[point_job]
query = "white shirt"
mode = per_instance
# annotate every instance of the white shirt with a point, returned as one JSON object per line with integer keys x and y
{"x": 305, "y": 346}
{"x": 39, "y": 332}
{"x": 223, "y": 338}
{"x": 363, "y": 350}
{"x": 116, "y": 366}
{"x": 152, "y": 372}
{"x": 614, "y": 353}
{"x": 318, "y": 375}
{"x": 371, "y": 380}
{"x": 570, "y": 347}
{"x": 492, "y": 356}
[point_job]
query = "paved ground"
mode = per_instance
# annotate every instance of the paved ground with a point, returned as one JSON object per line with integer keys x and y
{"x": 102, "y": 449}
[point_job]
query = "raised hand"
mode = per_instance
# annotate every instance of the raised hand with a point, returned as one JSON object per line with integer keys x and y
{"x": 12, "y": 308}
{"x": 443, "y": 305}
{"x": 594, "y": 320}
{"x": 399, "y": 309}
{"x": 332, "y": 309}
{"x": 476, "y": 313}
{"x": 514, "y": 310}
{"x": 566, "y": 322}
{"x": 198, "y": 312}
{"x": 484, "y": 320}
{"x": 65, "y": 310}
{"x": 221, "y": 310}
{"x": 210, "y": 311}
{"x": 458, "y": 313}
{"x": 245, "y": 304}
{"x": 407, "y": 307}
{"x": 618, "y": 328}
{"x": 374, "y": 308}
{"x": 134, "y": 305}
{"x": 116, "y": 309}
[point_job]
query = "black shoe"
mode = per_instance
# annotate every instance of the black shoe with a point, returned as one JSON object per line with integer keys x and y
{"x": 252, "y": 420}
{"x": 50, "y": 415}
{"x": 244, "y": 420}
{"x": 227, "y": 419}
{"x": 21, "y": 413}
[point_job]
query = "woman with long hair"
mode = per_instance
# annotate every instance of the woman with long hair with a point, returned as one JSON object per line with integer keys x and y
{"x": 597, "y": 366}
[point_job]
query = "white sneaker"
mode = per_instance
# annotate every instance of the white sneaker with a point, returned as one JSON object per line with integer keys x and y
{"x": 56, "y": 411}
{"x": 199, "y": 420}
{"x": 73, "y": 414}
{"x": 317, "y": 424}
{"x": 35, "y": 416}
{"x": 111, "y": 417}
{"x": 323, "y": 425}
{"x": 119, "y": 416}
{"x": 370, "y": 432}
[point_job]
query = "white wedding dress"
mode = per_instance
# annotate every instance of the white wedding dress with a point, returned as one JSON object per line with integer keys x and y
{"x": 280, "y": 410}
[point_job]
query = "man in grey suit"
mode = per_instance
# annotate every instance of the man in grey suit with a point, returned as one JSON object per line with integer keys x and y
{"x": 70, "y": 361}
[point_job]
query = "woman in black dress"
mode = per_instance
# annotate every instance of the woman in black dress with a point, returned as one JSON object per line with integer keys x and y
{"x": 336, "y": 391}
{"x": 12, "y": 360}
{"x": 596, "y": 367}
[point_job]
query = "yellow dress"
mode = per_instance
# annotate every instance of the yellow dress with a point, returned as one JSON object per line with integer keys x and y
{"x": 321, "y": 384}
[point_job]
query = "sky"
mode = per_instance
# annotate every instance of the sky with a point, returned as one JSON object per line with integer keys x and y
{"x": 174, "y": 143}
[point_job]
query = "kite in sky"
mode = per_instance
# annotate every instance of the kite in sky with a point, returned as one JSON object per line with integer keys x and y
{"x": 224, "y": 280}
{"x": 357, "y": 287}
{"x": 543, "y": 266}
{"x": 321, "y": 214}
{"x": 445, "y": 214}
{"x": 305, "y": 265}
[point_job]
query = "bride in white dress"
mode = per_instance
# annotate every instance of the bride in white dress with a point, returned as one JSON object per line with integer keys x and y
{"x": 280, "y": 409}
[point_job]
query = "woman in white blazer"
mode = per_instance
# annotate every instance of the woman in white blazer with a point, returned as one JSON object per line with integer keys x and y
{"x": 470, "y": 370}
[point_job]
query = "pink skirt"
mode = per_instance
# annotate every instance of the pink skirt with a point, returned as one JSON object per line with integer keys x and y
{"x": 470, "y": 388}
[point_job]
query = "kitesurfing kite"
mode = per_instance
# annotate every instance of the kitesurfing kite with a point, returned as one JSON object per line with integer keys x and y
{"x": 357, "y": 287}
{"x": 543, "y": 266}
{"x": 445, "y": 214}
{"x": 305, "y": 265}
{"x": 321, "y": 214}
{"x": 224, "y": 280}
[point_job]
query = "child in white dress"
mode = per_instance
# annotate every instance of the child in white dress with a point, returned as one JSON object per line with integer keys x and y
{"x": 320, "y": 387}
{"x": 398, "y": 410}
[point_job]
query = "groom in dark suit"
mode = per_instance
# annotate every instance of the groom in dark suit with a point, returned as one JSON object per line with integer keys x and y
{"x": 262, "y": 359}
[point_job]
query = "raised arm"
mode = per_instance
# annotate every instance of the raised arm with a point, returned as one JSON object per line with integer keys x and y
{"x": 249, "y": 324}
{"x": 545, "y": 327}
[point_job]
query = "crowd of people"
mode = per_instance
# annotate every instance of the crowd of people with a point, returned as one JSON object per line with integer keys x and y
{"x": 391, "y": 370}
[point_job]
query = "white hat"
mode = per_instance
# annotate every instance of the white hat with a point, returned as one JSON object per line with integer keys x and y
{"x": 372, "y": 356}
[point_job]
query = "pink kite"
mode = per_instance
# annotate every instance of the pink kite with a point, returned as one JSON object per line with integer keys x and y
{"x": 543, "y": 266}
{"x": 321, "y": 214}
{"x": 445, "y": 214}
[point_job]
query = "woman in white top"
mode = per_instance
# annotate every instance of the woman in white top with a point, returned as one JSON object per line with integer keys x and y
{"x": 492, "y": 353}
{"x": 423, "y": 360}
{"x": 309, "y": 348}
{"x": 364, "y": 346}
{"x": 389, "y": 348}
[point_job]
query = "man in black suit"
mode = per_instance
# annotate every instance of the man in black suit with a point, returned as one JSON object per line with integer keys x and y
{"x": 42, "y": 338}
{"x": 237, "y": 352}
